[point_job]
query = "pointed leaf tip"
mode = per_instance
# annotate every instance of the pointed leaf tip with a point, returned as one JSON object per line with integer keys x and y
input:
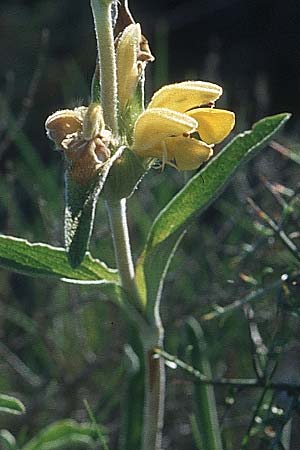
{"x": 207, "y": 185}
{"x": 81, "y": 202}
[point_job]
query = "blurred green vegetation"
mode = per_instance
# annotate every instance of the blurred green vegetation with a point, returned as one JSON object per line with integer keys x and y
{"x": 62, "y": 344}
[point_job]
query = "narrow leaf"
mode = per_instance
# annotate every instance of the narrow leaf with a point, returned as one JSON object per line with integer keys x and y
{"x": 132, "y": 403}
{"x": 62, "y": 434}
{"x": 40, "y": 259}
{"x": 204, "y": 397}
{"x": 7, "y": 440}
{"x": 80, "y": 209}
{"x": 11, "y": 405}
{"x": 100, "y": 434}
{"x": 207, "y": 185}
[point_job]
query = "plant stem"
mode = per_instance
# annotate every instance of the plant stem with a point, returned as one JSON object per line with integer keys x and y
{"x": 151, "y": 334}
{"x": 107, "y": 62}
{"x": 154, "y": 396}
{"x": 119, "y": 228}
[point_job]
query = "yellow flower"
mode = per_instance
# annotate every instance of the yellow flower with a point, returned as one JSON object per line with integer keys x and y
{"x": 174, "y": 113}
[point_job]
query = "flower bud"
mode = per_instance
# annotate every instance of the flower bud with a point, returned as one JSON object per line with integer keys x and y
{"x": 81, "y": 135}
{"x": 132, "y": 54}
{"x": 127, "y": 66}
{"x": 64, "y": 123}
{"x": 93, "y": 122}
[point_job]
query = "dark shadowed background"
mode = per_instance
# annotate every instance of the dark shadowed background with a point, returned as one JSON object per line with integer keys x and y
{"x": 47, "y": 60}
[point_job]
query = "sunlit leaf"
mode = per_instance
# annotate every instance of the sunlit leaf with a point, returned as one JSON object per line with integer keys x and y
{"x": 11, "y": 405}
{"x": 40, "y": 259}
{"x": 207, "y": 185}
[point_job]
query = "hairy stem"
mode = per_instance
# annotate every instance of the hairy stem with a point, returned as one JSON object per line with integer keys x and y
{"x": 120, "y": 234}
{"x": 107, "y": 62}
{"x": 151, "y": 335}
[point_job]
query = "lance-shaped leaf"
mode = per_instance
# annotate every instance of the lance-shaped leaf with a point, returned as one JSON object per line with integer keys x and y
{"x": 40, "y": 259}
{"x": 207, "y": 185}
{"x": 81, "y": 201}
{"x": 11, "y": 405}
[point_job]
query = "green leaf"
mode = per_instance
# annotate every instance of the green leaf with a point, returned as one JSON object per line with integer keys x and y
{"x": 204, "y": 398}
{"x": 207, "y": 185}
{"x": 7, "y": 440}
{"x": 40, "y": 259}
{"x": 100, "y": 434}
{"x": 62, "y": 434}
{"x": 151, "y": 271}
{"x": 80, "y": 209}
{"x": 11, "y": 405}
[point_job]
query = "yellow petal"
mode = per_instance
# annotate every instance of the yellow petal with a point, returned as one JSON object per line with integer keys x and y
{"x": 213, "y": 124}
{"x": 127, "y": 62}
{"x": 154, "y": 125}
{"x": 189, "y": 153}
{"x": 186, "y": 95}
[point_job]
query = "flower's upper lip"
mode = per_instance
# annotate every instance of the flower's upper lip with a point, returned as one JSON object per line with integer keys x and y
{"x": 186, "y": 95}
{"x": 156, "y": 124}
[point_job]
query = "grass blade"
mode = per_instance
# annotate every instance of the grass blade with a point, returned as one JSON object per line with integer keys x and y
{"x": 205, "y": 403}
